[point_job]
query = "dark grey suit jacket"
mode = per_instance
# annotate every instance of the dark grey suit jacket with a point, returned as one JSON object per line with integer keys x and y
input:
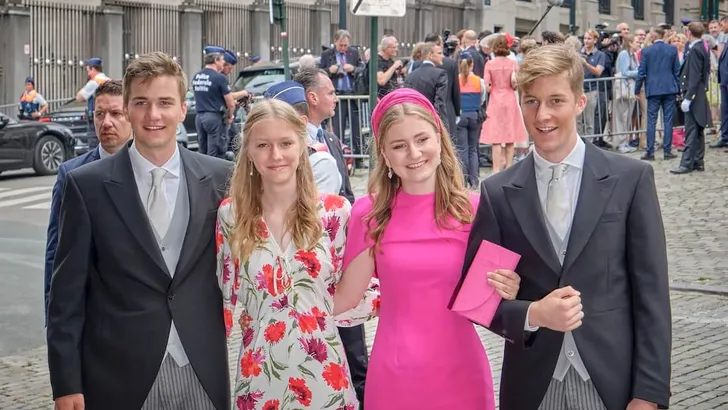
{"x": 694, "y": 83}
{"x": 112, "y": 300}
{"x": 431, "y": 82}
{"x": 337, "y": 152}
{"x": 452, "y": 99}
{"x": 616, "y": 258}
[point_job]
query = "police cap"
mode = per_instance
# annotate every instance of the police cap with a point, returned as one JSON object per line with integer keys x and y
{"x": 214, "y": 50}
{"x": 288, "y": 91}
{"x": 93, "y": 61}
{"x": 254, "y": 59}
{"x": 687, "y": 20}
{"x": 230, "y": 58}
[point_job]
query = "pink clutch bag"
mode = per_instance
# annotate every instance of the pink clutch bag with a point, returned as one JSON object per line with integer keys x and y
{"x": 477, "y": 300}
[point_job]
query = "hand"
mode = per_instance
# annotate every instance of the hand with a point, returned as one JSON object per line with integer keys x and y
{"x": 639, "y": 404}
{"x": 334, "y": 69}
{"x": 229, "y": 120}
{"x": 685, "y": 106}
{"x": 348, "y": 68}
{"x": 560, "y": 310}
{"x": 397, "y": 64}
{"x": 35, "y": 114}
{"x": 506, "y": 283}
{"x": 70, "y": 402}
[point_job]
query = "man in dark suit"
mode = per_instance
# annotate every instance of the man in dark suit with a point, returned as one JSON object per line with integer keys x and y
{"x": 471, "y": 44}
{"x": 694, "y": 83}
{"x": 113, "y": 130}
{"x": 590, "y": 328}
{"x": 723, "y": 81}
{"x": 321, "y": 99}
{"x": 430, "y": 80}
{"x": 340, "y": 64}
{"x": 452, "y": 99}
{"x": 135, "y": 315}
{"x": 660, "y": 71}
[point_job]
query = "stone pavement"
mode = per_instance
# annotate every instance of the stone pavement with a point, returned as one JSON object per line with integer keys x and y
{"x": 695, "y": 211}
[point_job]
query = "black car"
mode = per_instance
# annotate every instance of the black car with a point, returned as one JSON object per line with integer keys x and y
{"x": 42, "y": 146}
{"x": 73, "y": 115}
{"x": 258, "y": 78}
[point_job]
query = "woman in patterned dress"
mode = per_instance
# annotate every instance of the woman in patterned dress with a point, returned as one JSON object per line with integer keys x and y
{"x": 280, "y": 247}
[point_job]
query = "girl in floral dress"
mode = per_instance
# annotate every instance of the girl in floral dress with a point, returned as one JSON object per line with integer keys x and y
{"x": 280, "y": 247}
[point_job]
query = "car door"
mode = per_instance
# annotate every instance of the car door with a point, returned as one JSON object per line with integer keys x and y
{"x": 12, "y": 143}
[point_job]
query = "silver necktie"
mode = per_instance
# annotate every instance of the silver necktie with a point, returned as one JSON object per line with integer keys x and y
{"x": 558, "y": 206}
{"x": 157, "y": 203}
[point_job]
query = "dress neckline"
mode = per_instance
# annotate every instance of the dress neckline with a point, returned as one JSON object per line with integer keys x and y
{"x": 404, "y": 198}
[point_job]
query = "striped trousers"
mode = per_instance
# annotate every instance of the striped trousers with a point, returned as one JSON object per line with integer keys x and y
{"x": 177, "y": 388}
{"x": 573, "y": 393}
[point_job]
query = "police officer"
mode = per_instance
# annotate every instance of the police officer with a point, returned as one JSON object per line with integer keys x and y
{"x": 214, "y": 104}
{"x": 32, "y": 105}
{"x": 240, "y": 97}
{"x": 96, "y": 77}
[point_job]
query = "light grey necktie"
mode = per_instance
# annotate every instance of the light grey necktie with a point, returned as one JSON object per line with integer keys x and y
{"x": 558, "y": 205}
{"x": 157, "y": 203}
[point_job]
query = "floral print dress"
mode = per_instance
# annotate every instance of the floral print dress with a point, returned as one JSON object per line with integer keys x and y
{"x": 291, "y": 355}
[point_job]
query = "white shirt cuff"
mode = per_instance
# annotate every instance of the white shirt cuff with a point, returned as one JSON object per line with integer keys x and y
{"x": 526, "y": 326}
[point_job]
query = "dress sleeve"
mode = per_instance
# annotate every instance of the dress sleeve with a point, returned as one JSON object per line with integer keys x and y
{"x": 228, "y": 271}
{"x": 349, "y": 243}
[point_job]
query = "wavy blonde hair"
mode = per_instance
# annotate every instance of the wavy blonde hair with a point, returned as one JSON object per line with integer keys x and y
{"x": 246, "y": 186}
{"x": 452, "y": 199}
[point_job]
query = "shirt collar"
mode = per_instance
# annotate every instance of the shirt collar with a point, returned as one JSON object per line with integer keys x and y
{"x": 103, "y": 153}
{"x": 428, "y": 62}
{"x": 312, "y": 132}
{"x": 574, "y": 159}
{"x": 143, "y": 168}
{"x": 694, "y": 42}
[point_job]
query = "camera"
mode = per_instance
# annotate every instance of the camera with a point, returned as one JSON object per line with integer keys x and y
{"x": 448, "y": 46}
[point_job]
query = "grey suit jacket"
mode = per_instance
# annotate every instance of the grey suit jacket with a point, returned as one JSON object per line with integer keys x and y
{"x": 112, "y": 300}
{"x": 616, "y": 258}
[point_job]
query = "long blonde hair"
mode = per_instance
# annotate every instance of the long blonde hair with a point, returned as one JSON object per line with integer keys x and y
{"x": 452, "y": 199}
{"x": 246, "y": 187}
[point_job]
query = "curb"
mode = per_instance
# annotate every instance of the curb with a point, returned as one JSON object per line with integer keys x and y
{"x": 693, "y": 287}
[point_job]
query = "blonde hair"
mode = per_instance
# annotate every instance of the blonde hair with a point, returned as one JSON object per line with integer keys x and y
{"x": 526, "y": 45}
{"x": 573, "y": 42}
{"x": 246, "y": 186}
{"x": 451, "y": 197}
{"x": 417, "y": 51}
{"x": 154, "y": 65}
{"x": 552, "y": 60}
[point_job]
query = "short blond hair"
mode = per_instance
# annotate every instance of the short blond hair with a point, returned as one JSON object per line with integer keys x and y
{"x": 153, "y": 65}
{"x": 552, "y": 60}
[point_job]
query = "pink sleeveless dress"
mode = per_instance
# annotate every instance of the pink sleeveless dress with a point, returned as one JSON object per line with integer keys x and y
{"x": 504, "y": 122}
{"x": 424, "y": 356}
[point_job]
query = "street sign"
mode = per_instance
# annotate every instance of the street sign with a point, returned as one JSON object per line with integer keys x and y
{"x": 379, "y": 8}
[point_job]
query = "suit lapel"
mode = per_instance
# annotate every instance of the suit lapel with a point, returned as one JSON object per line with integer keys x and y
{"x": 596, "y": 188}
{"x": 124, "y": 194}
{"x": 523, "y": 198}
{"x": 199, "y": 187}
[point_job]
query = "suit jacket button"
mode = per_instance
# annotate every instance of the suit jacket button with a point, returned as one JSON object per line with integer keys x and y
{"x": 170, "y": 296}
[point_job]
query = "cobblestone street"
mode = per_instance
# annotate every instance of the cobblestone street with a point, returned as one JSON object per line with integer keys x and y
{"x": 695, "y": 213}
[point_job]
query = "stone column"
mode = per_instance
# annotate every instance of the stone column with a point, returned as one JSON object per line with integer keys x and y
{"x": 260, "y": 17}
{"x": 589, "y": 14}
{"x": 321, "y": 24}
{"x": 112, "y": 41}
{"x": 15, "y": 57}
{"x": 425, "y": 19}
{"x": 190, "y": 34}
{"x": 655, "y": 13}
{"x": 470, "y": 17}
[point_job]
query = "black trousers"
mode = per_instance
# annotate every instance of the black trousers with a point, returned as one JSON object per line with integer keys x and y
{"x": 355, "y": 346}
{"x": 693, "y": 157}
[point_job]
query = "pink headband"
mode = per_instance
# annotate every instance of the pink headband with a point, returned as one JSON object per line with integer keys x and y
{"x": 401, "y": 96}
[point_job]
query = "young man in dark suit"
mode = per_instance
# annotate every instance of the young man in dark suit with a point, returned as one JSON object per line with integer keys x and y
{"x": 590, "y": 328}
{"x": 431, "y": 80}
{"x": 135, "y": 316}
{"x": 693, "y": 85}
{"x": 113, "y": 131}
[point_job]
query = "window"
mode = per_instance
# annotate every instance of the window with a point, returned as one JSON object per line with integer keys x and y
{"x": 668, "y": 6}
{"x": 566, "y": 4}
{"x": 605, "y": 6}
{"x": 486, "y": 2}
{"x": 639, "y": 9}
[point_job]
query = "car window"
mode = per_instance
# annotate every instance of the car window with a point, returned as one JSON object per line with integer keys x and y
{"x": 258, "y": 79}
{"x": 190, "y": 99}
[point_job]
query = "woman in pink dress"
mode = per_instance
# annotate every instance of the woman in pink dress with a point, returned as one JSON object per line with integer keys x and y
{"x": 504, "y": 123}
{"x": 412, "y": 229}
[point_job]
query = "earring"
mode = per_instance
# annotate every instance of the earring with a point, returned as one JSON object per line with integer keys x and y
{"x": 389, "y": 174}
{"x": 252, "y": 167}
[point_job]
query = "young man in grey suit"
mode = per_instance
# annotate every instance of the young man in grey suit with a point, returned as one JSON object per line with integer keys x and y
{"x": 590, "y": 328}
{"x": 135, "y": 316}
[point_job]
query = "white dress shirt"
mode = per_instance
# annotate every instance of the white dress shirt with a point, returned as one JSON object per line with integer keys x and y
{"x": 325, "y": 169}
{"x": 103, "y": 153}
{"x": 143, "y": 175}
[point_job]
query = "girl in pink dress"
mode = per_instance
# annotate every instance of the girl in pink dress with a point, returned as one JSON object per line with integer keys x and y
{"x": 504, "y": 122}
{"x": 412, "y": 229}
